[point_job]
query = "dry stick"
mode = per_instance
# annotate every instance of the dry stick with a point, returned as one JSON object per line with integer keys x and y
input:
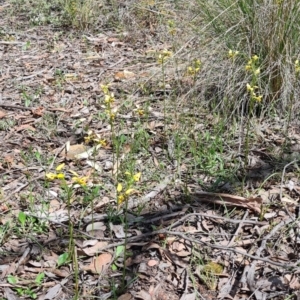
{"x": 23, "y": 257}
{"x": 16, "y": 190}
{"x": 180, "y": 234}
{"x": 216, "y": 217}
{"x": 159, "y": 188}
{"x": 238, "y": 229}
{"x": 281, "y": 187}
{"x": 250, "y": 277}
{"x": 56, "y": 155}
{"x": 22, "y": 187}
{"x": 15, "y": 106}
{"x": 111, "y": 67}
{"x": 32, "y": 75}
{"x": 34, "y": 179}
{"x": 160, "y": 218}
{"x": 11, "y": 43}
{"x": 20, "y": 169}
{"x": 29, "y": 108}
{"x": 104, "y": 216}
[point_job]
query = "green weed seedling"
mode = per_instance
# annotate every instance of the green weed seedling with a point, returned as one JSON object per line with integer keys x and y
{"x": 30, "y": 224}
{"x": 4, "y": 229}
{"x": 28, "y": 99}
{"x": 63, "y": 259}
{"x": 29, "y": 290}
{"x": 22, "y": 219}
{"x": 26, "y": 46}
{"x": 206, "y": 271}
{"x": 119, "y": 251}
{"x": 7, "y": 124}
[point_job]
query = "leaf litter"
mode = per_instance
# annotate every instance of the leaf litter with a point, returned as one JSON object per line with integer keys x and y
{"x": 180, "y": 247}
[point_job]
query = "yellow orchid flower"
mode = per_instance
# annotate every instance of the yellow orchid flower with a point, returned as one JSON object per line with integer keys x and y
{"x": 121, "y": 199}
{"x": 257, "y": 71}
{"x": 105, "y": 89}
{"x": 137, "y": 176}
{"x": 249, "y": 88}
{"x": 51, "y": 176}
{"x": 81, "y": 180}
{"x": 248, "y": 67}
{"x": 102, "y": 142}
{"x": 129, "y": 191}
{"x": 119, "y": 187}
{"x": 257, "y": 98}
{"x": 60, "y": 176}
{"x": 60, "y": 167}
{"x": 74, "y": 173}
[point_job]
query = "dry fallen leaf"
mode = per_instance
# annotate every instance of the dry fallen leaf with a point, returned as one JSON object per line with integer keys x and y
{"x": 124, "y": 75}
{"x": 73, "y": 150}
{"x": 152, "y": 262}
{"x": 2, "y": 114}
{"x": 24, "y": 127}
{"x": 188, "y": 296}
{"x": 126, "y": 296}
{"x": 118, "y": 230}
{"x": 99, "y": 264}
{"x": 294, "y": 283}
{"x": 9, "y": 294}
{"x": 143, "y": 295}
{"x": 287, "y": 199}
{"x": 88, "y": 153}
{"x": 90, "y": 251}
{"x": 54, "y": 205}
{"x": 71, "y": 76}
{"x": 95, "y": 226}
{"x": 253, "y": 203}
{"x": 177, "y": 246}
{"x": 38, "y": 112}
{"x": 183, "y": 253}
{"x": 9, "y": 159}
{"x": 54, "y": 291}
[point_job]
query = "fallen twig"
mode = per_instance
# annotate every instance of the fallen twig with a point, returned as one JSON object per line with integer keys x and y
{"x": 281, "y": 187}
{"x": 215, "y": 217}
{"x": 158, "y": 189}
{"x": 252, "y": 203}
{"x": 238, "y": 229}
{"x": 251, "y": 271}
{"x": 184, "y": 236}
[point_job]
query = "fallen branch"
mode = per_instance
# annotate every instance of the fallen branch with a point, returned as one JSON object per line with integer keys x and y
{"x": 252, "y": 203}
